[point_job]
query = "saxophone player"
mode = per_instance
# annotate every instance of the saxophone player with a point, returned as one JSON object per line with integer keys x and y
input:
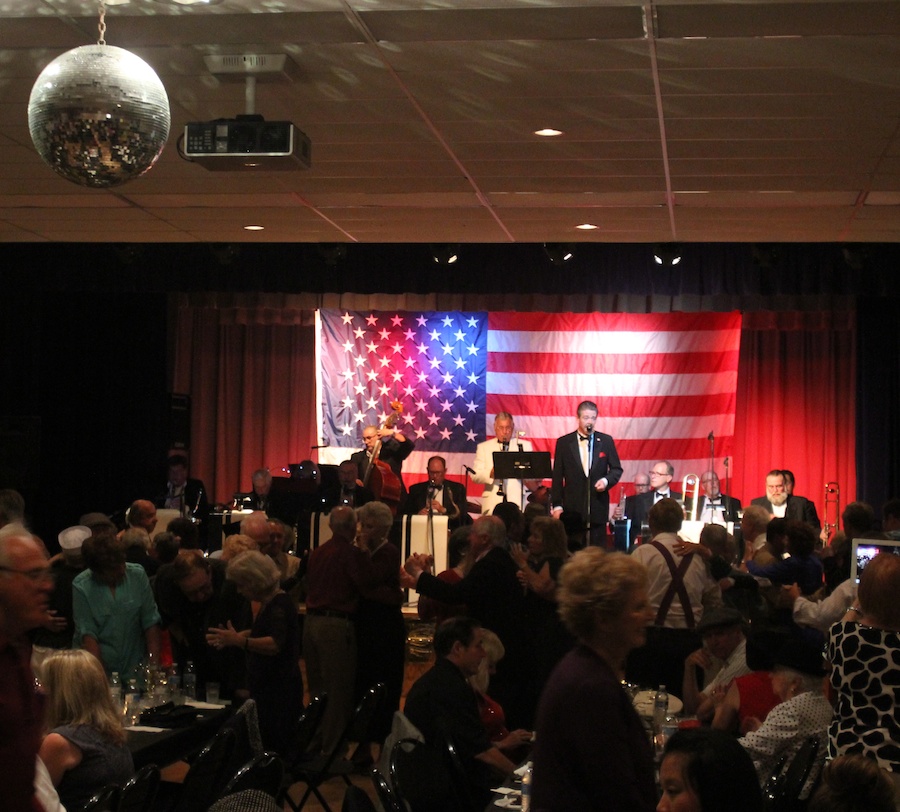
{"x": 439, "y": 495}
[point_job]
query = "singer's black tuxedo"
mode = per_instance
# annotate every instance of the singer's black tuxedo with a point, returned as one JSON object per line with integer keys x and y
{"x": 417, "y": 500}
{"x": 574, "y": 491}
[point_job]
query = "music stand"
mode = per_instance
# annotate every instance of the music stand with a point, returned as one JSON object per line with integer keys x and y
{"x": 522, "y": 465}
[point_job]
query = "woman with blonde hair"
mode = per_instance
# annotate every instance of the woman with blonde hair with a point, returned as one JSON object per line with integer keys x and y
{"x": 84, "y": 749}
{"x": 512, "y": 743}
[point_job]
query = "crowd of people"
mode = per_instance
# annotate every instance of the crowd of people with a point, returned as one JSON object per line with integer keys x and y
{"x": 542, "y": 631}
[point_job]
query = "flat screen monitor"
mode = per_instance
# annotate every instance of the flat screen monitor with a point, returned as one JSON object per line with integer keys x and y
{"x": 862, "y": 551}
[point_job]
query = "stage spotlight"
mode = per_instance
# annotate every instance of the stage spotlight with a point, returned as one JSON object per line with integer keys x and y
{"x": 445, "y": 253}
{"x": 667, "y": 253}
{"x": 765, "y": 255}
{"x": 855, "y": 256}
{"x": 332, "y": 252}
{"x": 559, "y": 253}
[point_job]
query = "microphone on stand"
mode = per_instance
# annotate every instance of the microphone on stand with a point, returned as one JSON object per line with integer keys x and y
{"x": 326, "y": 445}
{"x": 469, "y": 470}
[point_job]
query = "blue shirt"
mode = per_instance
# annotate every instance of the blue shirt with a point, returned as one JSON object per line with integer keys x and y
{"x": 116, "y": 621}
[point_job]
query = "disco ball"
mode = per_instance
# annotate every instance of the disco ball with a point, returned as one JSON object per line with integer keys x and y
{"x": 99, "y": 115}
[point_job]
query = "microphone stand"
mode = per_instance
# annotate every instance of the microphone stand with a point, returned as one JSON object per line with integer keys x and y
{"x": 429, "y": 531}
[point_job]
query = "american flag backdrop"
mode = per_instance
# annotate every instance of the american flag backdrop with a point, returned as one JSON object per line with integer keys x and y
{"x": 663, "y": 382}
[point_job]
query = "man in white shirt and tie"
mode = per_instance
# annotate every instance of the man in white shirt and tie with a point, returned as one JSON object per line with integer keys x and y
{"x": 714, "y": 507}
{"x": 494, "y": 489}
{"x": 637, "y": 507}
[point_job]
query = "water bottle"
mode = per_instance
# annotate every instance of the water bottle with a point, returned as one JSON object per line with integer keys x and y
{"x": 189, "y": 681}
{"x": 527, "y": 778}
{"x": 660, "y": 709}
{"x": 115, "y": 690}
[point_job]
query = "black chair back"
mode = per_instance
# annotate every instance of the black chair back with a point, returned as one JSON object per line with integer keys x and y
{"x": 264, "y": 773}
{"x": 420, "y": 777}
{"x": 318, "y": 770}
{"x": 356, "y": 800}
{"x": 139, "y": 792}
{"x": 307, "y": 726}
{"x": 207, "y": 775}
{"x": 104, "y": 801}
{"x": 783, "y": 793}
{"x": 386, "y": 797}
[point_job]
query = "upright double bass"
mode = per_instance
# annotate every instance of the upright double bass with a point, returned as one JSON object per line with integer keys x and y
{"x": 379, "y": 477}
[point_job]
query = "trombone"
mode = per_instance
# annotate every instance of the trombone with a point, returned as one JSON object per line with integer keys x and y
{"x": 692, "y": 482}
{"x": 833, "y": 499}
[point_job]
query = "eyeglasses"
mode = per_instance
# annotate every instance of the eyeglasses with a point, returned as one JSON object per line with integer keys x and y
{"x": 36, "y": 575}
{"x": 658, "y": 473}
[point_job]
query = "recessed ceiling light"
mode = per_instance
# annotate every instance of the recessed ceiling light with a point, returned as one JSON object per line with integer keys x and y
{"x": 548, "y": 132}
{"x": 254, "y": 228}
{"x": 586, "y": 227}
{"x": 188, "y": 2}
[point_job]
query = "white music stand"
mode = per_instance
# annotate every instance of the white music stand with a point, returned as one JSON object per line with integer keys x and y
{"x": 416, "y": 539}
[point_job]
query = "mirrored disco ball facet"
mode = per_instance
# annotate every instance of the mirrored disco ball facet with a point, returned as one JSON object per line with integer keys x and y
{"x": 99, "y": 115}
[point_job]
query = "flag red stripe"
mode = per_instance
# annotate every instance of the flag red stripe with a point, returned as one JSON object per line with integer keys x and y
{"x": 529, "y": 363}
{"x": 673, "y": 449}
{"x": 655, "y": 322}
{"x": 557, "y": 406}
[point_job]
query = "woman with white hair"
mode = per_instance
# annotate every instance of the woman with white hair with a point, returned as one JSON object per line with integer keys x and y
{"x": 85, "y": 748}
{"x": 798, "y": 679}
{"x": 271, "y": 646}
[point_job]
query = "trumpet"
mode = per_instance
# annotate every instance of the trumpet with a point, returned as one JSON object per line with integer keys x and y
{"x": 692, "y": 482}
{"x": 833, "y": 499}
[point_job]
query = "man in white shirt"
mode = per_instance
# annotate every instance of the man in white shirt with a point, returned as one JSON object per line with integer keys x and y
{"x": 679, "y": 589}
{"x": 722, "y": 657}
{"x": 494, "y": 489}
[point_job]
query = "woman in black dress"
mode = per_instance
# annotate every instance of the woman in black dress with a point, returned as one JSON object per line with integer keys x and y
{"x": 271, "y": 646}
{"x": 380, "y": 629}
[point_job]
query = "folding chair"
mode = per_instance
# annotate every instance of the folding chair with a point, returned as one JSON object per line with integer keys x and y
{"x": 319, "y": 770}
{"x": 139, "y": 792}
{"x": 263, "y": 773}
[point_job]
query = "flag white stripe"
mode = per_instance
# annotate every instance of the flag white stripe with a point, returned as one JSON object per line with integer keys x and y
{"x": 610, "y": 385}
{"x": 631, "y": 428}
{"x": 611, "y": 342}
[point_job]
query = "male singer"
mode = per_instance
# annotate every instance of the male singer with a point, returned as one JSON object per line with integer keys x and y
{"x": 585, "y": 466}
{"x": 495, "y": 489}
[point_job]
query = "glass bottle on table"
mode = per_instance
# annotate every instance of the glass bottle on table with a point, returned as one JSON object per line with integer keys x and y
{"x": 189, "y": 681}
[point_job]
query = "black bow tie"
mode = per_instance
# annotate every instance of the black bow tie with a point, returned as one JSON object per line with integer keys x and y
{"x": 583, "y": 437}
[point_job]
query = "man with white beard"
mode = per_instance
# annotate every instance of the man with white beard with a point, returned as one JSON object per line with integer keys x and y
{"x": 782, "y": 505}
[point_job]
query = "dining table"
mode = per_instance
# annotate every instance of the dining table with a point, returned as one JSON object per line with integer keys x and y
{"x": 166, "y": 745}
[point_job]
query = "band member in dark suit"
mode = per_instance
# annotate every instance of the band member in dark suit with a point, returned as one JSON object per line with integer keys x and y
{"x": 779, "y": 503}
{"x": 440, "y": 495}
{"x": 184, "y": 494}
{"x": 395, "y": 447}
{"x": 585, "y": 466}
{"x": 346, "y": 491}
{"x": 714, "y": 507}
{"x": 637, "y": 507}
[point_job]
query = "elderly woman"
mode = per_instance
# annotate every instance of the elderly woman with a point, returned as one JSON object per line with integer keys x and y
{"x": 864, "y": 652}
{"x": 798, "y": 680}
{"x": 236, "y": 544}
{"x": 115, "y": 615}
{"x": 271, "y": 646}
{"x": 84, "y": 749}
{"x": 591, "y": 749}
{"x": 538, "y": 571}
{"x": 380, "y": 629}
{"x": 512, "y": 744}
{"x": 705, "y": 770}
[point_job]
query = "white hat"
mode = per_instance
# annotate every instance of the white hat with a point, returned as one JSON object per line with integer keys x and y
{"x": 73, "y": 537}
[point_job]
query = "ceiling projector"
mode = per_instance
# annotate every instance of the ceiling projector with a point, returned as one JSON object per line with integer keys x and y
{"x": 246, "y": 143}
